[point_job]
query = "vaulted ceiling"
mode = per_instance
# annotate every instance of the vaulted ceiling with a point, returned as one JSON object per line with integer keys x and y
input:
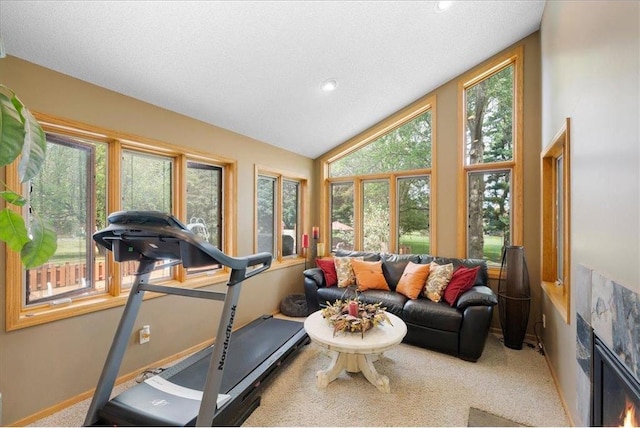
{"x": 256, "y": 67}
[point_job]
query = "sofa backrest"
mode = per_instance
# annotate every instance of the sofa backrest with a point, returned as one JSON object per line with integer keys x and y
{"x": 393, "y": 264}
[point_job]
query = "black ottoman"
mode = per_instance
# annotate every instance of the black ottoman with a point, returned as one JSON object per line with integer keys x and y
{"x": 294, "y": 305}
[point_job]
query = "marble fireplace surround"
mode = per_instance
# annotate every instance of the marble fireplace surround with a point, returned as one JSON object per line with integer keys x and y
{"x": 613, "y": 312}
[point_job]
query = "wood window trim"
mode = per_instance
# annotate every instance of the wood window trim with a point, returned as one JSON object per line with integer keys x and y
{"x": 558, "y": 294}
{"x": 18, "y": 317}
{"x": 279, "y": 175}
{"x": 417, "y": 108}
{"x": 512, "y": 57}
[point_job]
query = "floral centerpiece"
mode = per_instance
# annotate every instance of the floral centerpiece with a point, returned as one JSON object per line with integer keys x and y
{"x": 353, "y": 316}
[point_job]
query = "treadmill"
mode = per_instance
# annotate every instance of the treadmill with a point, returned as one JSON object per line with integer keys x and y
{"x": 217, "y": 386}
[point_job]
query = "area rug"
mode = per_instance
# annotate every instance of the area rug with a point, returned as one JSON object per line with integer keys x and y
{"x": 480, "y": 418}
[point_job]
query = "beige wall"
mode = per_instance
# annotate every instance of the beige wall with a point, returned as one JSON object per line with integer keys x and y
{"x": 591, "y": 73}
{"x": 42, "y": 366}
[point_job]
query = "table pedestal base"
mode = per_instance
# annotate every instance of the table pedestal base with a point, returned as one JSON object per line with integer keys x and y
{"x": 353, "y": 363}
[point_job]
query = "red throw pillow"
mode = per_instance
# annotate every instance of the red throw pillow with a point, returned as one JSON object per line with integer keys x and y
{"x": 329, "y": 269}
{"x": 462, "y": 280}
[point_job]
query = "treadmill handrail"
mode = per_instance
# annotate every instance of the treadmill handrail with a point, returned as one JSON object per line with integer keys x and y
{"x": 130, "y": 227}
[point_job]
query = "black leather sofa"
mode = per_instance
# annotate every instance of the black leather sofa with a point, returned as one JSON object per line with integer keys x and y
{"x": 460, "y": 330}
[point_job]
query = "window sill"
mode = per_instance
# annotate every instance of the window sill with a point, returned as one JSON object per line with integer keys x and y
{"x": 42, "y": 314}
{"x": 557, "y": 296}
{"x": 32, "y": 316}
{"x": 287, "y": 262}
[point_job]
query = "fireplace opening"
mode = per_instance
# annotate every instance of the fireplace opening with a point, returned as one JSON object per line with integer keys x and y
{"x": 616, "y": 392}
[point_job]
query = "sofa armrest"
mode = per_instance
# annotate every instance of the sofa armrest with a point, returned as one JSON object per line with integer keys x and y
{"x": 479, "y": 295}
{"x": 313, "y": 279}
{"x": 316, "y": 275}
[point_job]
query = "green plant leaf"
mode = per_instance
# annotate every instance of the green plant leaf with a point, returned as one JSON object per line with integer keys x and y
{"x": 33, "y": 149}
{"x": 13, "y": 230}
{"x": 13, "y": 198}
{"x": 11, "y": 128}
{"x": 41, "y": 247}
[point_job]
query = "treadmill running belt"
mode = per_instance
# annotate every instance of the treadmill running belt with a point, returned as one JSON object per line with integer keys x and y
{"x": 249, "y": 347}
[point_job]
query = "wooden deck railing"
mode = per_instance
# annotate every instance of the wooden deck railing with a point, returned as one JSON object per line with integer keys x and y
{"x": 70, "y": 273}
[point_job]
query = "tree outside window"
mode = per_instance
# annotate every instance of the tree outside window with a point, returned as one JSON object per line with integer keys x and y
{"x": 490, "y": 161}
{"x": 386, "y": 179}
{"x": 67, "y": 195}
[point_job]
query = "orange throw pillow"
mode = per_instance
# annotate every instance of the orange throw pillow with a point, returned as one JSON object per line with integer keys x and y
{"x": 412, "y": 281}
{"x": 369, "y": 275}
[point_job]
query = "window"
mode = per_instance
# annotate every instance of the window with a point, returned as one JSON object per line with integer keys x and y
{"x": 555, "y": 221}
{"x": 204, "y": 203}
{"x": 74, "y": 202}
{"x": 146, "y": 185}
{"x": 491, "y": 167}
{"x": 89, "y": 173}
{"x": 380, "y": 189}
{"x": 279, "y": 213}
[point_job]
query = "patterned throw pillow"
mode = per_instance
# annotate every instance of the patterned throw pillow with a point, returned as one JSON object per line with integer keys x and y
{"x": 413, "y": 279}
{"x": 346, "y": 276}
{"x": 439, "y": 277}
{"x": 369, "y": 275}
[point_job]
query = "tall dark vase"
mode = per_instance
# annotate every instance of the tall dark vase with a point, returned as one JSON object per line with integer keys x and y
{"x": 514, "y": 296}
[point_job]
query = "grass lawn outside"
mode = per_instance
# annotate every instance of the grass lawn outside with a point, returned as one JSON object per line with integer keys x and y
{"x": 419, "y": 244}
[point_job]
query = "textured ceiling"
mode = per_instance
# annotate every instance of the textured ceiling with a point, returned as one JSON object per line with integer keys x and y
{"x": 256, "y": 67}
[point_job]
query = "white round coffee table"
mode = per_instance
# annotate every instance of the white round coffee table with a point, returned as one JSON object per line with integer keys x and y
{"x": 351, "y": 351}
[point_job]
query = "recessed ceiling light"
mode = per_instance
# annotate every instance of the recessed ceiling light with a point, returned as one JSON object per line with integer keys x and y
{"x": 441, "y": 6}
{"x": 329, "y": 85}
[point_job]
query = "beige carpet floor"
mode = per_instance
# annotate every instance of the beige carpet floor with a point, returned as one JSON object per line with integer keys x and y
{"x": 427, "y": 389}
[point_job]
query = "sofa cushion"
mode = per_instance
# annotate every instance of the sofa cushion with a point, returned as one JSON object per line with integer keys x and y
{"x": 413, "y": 280}
{"x": 393, "y": 266}
{"x": 369, "y": 275}
{"x": 331, "y": 294}
{"x": 425, "y": 313}
{"x": 394, "y": 302}
{"x": 329, "y": 270}
{"x": 461, "y": 281}
{"x": 439, "y": 276}
{"x": 344, "y": 270}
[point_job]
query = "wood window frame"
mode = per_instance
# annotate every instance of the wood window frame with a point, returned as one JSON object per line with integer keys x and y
{"x": 513, "y": 57}
{"x": 387, "y": 125}
{"x": 18, "y": 316}
{"x": 280, "y": 176}
{"x": 558, "y": 290}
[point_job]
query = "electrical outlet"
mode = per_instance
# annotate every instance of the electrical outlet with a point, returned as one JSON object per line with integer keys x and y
{"x": 544, "y": 321}
{"x": 145, "y": 334}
